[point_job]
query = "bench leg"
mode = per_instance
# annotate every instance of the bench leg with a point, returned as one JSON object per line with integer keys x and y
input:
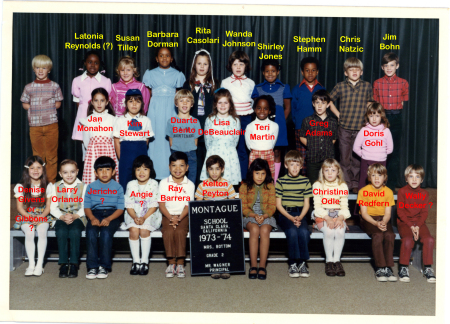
{"x": 17, "y": 252}
{"x": 416, "y": 256}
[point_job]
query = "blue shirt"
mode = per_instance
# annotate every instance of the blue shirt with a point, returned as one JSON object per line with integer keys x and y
{"x": 301, "y": 106}
{"x": 183, "y": 135}
{"x": 273, "y": 89}
{"x": 112, "y": 193}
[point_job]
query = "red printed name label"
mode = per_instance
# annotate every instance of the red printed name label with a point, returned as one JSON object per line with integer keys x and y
{"x": 174, "y": 198}
{"x": 142, "y": 195}
{"x": 314, "y": 123}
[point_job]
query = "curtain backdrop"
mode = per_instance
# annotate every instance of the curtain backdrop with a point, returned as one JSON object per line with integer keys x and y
{"x": 35, "y": 34}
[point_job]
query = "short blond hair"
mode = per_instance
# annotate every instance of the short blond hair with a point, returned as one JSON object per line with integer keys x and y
{"x": 414, "y": 168}
{"x": 42, "y": 61}
{"x": 183, "y": 93}
{"x": 353, "y": 62}
{"x": 331, "y": 163}
{"x": 127, "y": 60}
{"x": 293, "y": 156}
{"x": 379, "y": 169}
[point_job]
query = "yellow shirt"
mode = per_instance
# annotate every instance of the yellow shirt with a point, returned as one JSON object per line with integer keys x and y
{"x": 376, "y": 200}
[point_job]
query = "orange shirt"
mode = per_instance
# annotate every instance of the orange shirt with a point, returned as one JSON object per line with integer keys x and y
{"x": 376, "y": 200}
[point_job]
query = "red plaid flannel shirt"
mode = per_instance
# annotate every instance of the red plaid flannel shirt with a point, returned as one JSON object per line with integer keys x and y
{"x": 391, "y": 91}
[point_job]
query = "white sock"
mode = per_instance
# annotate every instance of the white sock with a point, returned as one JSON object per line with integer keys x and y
{"x": 328, "y": 241}
{"x": 145, "y": 244}
{"x": 42, "y": 242}
{"x": 339, "y": 240}
{"x": 29, "y": 244}
{"x": 134, "y": 247}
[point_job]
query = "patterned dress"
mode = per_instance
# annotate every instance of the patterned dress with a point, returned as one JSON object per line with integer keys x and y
{"x": 133, "y": 199}
{"x": 224, "y": 146}
{"x": 98, "y": 142}
{"x": 163, "y": 83}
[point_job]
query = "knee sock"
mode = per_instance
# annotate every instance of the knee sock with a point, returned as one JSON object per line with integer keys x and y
{"x": 277, "y": 171}
{"x": 134, "y": 247}
{"x": 42, "y": 242}
{"x": 180, "y": 261}
{"x": 29, "y": 244}
{"x": 145, "y": 245}
{"x": 339, "y": 240}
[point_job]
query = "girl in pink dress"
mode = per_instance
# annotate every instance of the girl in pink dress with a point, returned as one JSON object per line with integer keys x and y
{"x": 82, "y": 87}
{"x": 128, "y": 72}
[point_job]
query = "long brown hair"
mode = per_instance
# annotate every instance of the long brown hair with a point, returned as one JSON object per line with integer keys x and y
{"x": 208, "y": 78}
{"x": 219, "y": 94}
{"x": 25, "y": 181}
{"x": 105, "y": 94}
{"x": 376, "y": 108}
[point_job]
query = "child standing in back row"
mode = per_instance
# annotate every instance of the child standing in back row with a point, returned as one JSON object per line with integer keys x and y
{"x": 163, "y": 82}
{"x": 41, "y": 98}
{"x": 411, "y": 223}
{"x": 128, "y": 72}
{"x": 354, "y": 94}
{"x": 241, "y": 88}
{"x": 391, "y": 91}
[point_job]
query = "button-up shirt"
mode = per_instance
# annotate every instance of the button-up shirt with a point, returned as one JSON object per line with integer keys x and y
{"x": 353, "y": 102}
{"x": 319, "y": 137}
{"x": 176, "y": 195}
{"x": 391, "y": 91}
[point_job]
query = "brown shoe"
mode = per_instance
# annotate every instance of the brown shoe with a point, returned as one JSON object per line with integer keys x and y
{"x": 329, "y": 269}
{"x": 339, "y": 269}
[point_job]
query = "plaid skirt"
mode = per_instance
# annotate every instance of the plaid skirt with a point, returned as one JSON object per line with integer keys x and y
{"x": 265, "y": 155}
{"x": 98, "y": 146}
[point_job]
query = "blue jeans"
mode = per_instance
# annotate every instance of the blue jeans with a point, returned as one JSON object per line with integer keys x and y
{"x": 297, "y": 238}
{"x": 242, "y": 148}
{"x": 192, "y": 161}
{"x": 106, "y": 237}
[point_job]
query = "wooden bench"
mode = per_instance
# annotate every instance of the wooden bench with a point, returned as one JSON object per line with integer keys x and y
{"x": 18, "y": 255}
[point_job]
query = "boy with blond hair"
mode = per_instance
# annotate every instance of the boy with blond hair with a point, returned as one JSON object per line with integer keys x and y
{"x": 353, "y": 94}
{"x": 41, "y": 98}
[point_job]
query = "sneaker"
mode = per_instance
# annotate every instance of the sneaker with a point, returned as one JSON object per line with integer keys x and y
{"x": 181, "y": 273}
{"x": 38, "y": 271}
{"x": 380, "y": 274}
{"x": 170, "y": 271}
{"x": 92, "y": 273}
{"x": 429, "y": 273}
{"x": 390, "y": 274}
{"x": 293, "y": 271}
{"x": 403, "y": 274}
{"x": 303, "y": 269}
{"x": 73, "y": 271}
{"x": 102, "y": 273}
{"x": 29, "y": 271}
{"x": 63, "y": 270}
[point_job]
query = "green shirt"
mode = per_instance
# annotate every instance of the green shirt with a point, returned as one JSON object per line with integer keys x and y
{"x": 293, "y": 191}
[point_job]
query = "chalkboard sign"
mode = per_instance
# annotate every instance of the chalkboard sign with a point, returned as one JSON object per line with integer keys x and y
{"x": 216, "y": 236}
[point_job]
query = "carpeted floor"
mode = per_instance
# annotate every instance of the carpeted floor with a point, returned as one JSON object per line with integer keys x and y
{"x": 356, "y": 293}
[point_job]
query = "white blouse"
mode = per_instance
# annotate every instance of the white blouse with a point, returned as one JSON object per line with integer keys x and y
{"x": 102, "y": 123}
{"x": 121, "y": 128}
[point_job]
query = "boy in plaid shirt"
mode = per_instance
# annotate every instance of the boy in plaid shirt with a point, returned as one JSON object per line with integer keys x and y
{"x": 391, "y": 91}
{"x": 41, "y": 98}
{"x": 318, "y": 134}
{"x": 353, "y": 94}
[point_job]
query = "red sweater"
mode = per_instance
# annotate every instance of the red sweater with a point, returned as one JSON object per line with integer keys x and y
{"x": 412, "y": 206}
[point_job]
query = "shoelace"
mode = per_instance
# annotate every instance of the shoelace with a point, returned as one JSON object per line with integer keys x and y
{"x": 404, "y": 271}
{"x": 303, "y": 267}
{"x": 293, "y": 268}
{"x": 380, "y": 271}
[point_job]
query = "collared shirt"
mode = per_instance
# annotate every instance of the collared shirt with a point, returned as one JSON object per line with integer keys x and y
{"x": 176, "y": 195}
{"x": 353, "y": 102}
{"x": 98, "y": 124}
{"x": 263, "y": 137}
{"x": 127, "y": 130}
{"x": 293, "y": 191}
{"x": 42, "y": 97}
{"x": 98, "y": 77}
{"x": 301, "y": 104}
{"x": 118, "y": 91}
{"x": 54, "y": 206}
{"x": 319, "y": 137}
{"x": 273, "y": 89}
{"x": 391, "y": 91}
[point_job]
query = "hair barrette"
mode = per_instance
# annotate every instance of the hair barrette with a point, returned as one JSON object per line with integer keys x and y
{"x": 26, "y": 166}
{"x": 102, "y": 71}
{"x": 80, "y": 69}
{"x": 219, "y": 90}
{"x": 43, "y": 164}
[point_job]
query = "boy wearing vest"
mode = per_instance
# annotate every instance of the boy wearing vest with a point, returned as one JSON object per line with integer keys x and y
{"x": 67, "y": 207}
